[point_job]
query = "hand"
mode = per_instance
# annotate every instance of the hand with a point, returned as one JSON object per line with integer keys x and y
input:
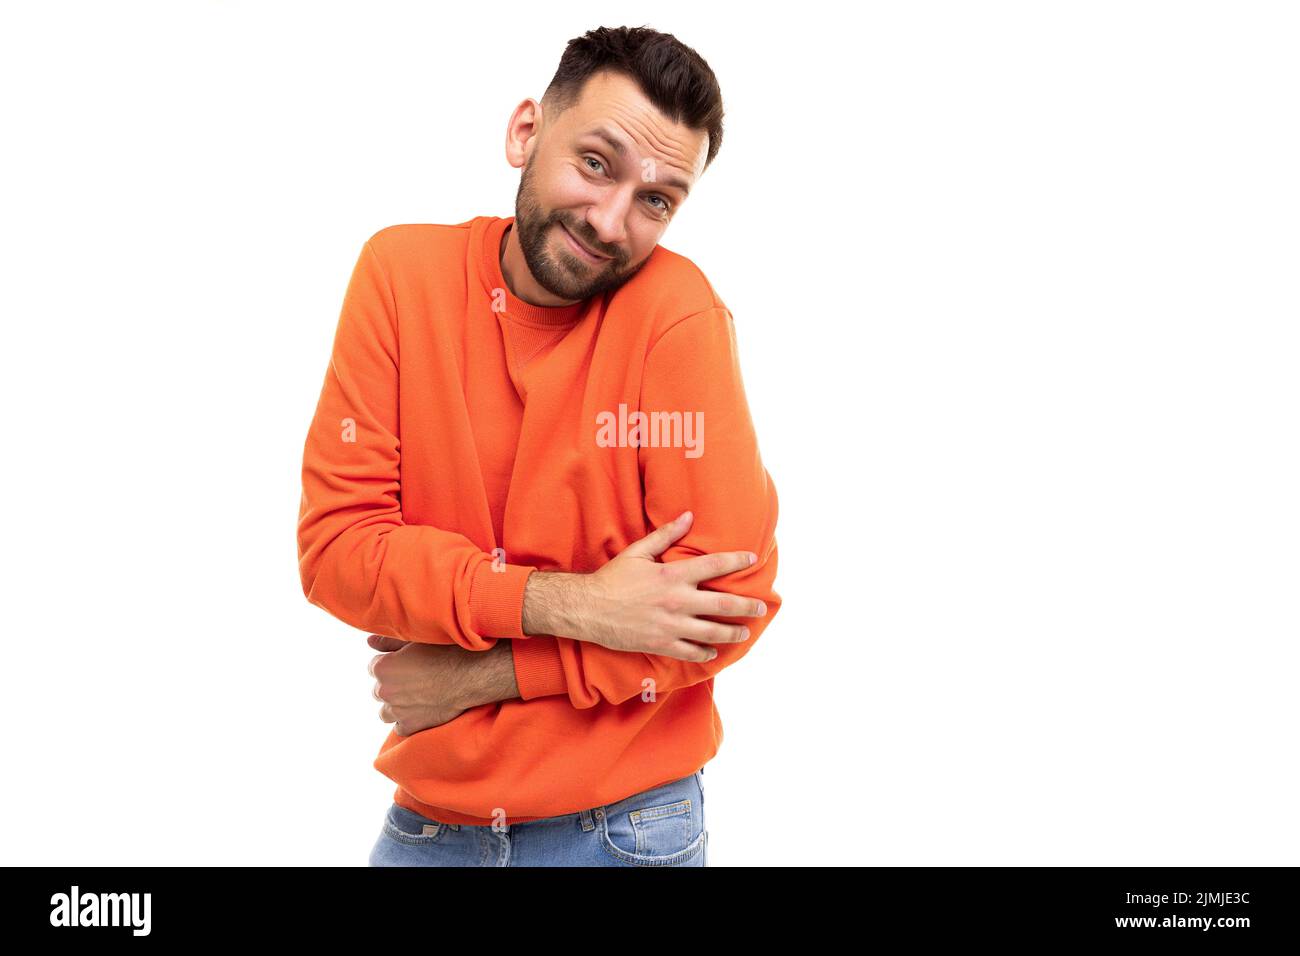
{"x": 635, "y": 603}
{"x": 417, "y": 683}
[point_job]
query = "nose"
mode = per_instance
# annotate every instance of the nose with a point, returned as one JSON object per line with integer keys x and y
{"x": 603, "y": 229}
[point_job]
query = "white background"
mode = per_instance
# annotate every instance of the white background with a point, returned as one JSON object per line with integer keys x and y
{"x": 1015, "y": 286}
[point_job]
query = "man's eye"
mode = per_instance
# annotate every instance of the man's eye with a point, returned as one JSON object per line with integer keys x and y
{"x": 664, "y": 207}
{"x": 592, "y": 159}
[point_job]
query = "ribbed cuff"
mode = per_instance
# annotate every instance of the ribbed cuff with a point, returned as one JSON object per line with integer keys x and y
{"x": 538, "y": 670}
{"x": 496, "y": 600}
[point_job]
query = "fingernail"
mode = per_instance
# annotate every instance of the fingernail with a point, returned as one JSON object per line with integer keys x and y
{"x": 752, "y": 557}
{"x": 683, "y": 516}
{"x": 744, "y": 633}
{"x": 762, "y": 609}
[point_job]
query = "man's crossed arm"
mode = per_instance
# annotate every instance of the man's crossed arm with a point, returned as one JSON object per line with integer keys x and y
{"x": 633, "y": 604}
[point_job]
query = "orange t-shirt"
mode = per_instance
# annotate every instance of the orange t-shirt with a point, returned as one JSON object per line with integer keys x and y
{"x": 456, "y": 419}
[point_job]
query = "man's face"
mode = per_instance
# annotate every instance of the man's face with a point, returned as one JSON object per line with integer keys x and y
{"x": 578, "y": 185}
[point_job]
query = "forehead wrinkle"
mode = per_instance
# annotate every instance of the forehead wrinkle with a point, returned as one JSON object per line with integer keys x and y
{"x": 636, "y": 124}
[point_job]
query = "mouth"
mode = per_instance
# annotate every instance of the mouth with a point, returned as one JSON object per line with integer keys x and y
{"x": 581, "y": 250}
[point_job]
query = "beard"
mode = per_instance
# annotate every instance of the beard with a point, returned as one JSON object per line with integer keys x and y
{"x": 562, "y": 273}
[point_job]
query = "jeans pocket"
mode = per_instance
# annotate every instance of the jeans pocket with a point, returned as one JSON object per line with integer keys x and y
{"x": 660, "y": 827}
{"x": 407, "y": 826}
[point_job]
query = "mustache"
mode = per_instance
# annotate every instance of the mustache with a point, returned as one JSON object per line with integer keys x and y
{"x": 587, "y": 240}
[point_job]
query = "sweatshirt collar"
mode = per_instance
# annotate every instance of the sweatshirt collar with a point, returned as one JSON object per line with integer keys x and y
{"x": 516, "y": 308}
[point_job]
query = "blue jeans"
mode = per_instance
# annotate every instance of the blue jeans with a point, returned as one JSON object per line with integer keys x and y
{"x": 662, "y": 826}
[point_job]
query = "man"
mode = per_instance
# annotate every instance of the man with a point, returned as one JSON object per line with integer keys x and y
{"x": 532, "y": 474}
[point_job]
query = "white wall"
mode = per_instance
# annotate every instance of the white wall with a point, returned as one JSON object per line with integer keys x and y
{"x": 1015, "y": 286}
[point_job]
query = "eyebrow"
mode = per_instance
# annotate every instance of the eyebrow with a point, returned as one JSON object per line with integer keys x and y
{"x": 617, "y": 146}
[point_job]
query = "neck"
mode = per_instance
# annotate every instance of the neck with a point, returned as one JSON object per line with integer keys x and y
{"x": 514, "y": 269}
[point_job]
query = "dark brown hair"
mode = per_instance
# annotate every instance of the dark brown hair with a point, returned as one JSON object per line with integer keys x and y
{"x": 671, "y": 75}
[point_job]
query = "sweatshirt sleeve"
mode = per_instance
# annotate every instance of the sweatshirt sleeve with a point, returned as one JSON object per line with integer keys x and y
{"x": 357, "y": 558}
{"x": 693, "y": 369}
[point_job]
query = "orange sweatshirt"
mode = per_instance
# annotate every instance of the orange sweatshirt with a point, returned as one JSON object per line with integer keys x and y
{"x": 455, "y": 420}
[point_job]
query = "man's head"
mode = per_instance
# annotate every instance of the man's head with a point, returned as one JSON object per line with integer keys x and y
{"x": 626, "y": 127}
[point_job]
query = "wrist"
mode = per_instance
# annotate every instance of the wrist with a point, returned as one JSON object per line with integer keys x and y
{"x": 489, "y": 676}
{"x": 555, "y": 603}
